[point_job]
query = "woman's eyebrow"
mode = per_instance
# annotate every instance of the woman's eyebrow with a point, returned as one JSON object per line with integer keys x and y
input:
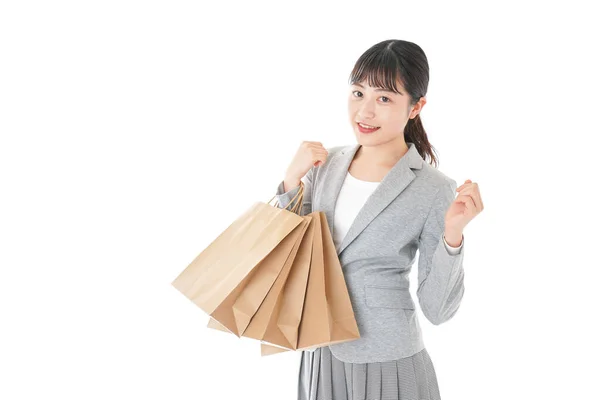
{"x": 379, "y": 90}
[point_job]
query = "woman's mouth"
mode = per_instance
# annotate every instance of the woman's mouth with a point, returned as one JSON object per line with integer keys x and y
{"x": 364, "y": 129}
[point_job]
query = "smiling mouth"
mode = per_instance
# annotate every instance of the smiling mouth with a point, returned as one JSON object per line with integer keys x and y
{"x": 364, "y": 130}
{"x": 367, "y": 126}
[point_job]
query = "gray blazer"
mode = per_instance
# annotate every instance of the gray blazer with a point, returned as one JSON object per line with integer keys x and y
{"x": 404, "y": 214}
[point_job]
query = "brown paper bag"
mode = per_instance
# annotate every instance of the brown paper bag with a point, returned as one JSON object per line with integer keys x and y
{"x": 342, "y": 323}
{"x": 274, "y": 276}
{"x": 236, "y": 311}
{"x": 313, "y": 329}
{"x": 327, "y": 315}
{"x": 220, "y": 268}
{"x": 285, "y": 298}
{"x": 267, "y": 350}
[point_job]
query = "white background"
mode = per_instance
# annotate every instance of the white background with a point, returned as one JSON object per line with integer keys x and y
{"x": 133, "y": 133}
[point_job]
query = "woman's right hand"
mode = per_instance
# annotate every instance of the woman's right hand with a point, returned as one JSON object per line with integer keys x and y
{"x": 309, "y": 154}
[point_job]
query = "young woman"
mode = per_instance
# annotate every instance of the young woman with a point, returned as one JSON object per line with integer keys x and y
{"x": 383, "y": 202}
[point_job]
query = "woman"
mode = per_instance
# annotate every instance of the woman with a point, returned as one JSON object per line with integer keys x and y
{"x": 382, "y": 203}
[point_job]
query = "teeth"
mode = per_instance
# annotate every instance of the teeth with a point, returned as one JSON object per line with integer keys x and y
{"x": 367, "y": 126}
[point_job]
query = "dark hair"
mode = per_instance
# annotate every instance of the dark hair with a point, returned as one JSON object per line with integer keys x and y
{"x": 395, "y": 60}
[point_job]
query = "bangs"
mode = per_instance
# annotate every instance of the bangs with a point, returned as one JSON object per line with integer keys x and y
{"x": 380, "y": 69}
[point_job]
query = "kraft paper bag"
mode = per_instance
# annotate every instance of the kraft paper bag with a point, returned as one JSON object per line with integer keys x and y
{"x": 267, "y": 350}
{"x": 287, "y": 320}
{"x": 265, "y": 318}
{"x": 214, "y": 324}
{"x": 236, "y": 311}
{"x": 313, "y": 329}
{"x": 342, "y": 322}
{"x": 286, "y": 298}
{"x": 328, "y": 317}
{"x": 220, "y": 268}
{"x": 274, "y": 276}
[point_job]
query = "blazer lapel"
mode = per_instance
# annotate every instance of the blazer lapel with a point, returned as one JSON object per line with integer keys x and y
{"x": 394, "y": 182}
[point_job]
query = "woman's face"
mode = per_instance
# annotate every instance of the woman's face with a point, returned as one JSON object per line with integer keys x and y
{"x": 378, "y": 107}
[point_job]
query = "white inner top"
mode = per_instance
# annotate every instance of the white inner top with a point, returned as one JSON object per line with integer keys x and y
{"x": 352, "y": 197}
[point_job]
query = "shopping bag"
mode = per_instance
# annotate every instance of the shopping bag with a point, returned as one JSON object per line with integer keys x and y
{"x": 286, "y": 297}
{"x": 274, "y": 276}
{"x": 341, "y": 320}
{"x": 327, "y": 315}
{"x": 227, "y": 262}
{"x": 236, "y": 311}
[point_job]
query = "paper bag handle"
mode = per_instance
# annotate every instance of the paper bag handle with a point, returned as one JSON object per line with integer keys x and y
{"x": 298, "y": 206}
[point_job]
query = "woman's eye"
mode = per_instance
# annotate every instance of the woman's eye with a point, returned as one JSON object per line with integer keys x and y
{"x": 383, "y": 97}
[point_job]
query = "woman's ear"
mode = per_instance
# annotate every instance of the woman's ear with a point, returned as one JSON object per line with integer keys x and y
{"x": 416, "y": 109}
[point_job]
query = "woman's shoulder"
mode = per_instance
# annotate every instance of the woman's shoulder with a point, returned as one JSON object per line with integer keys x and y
{"x": 334, "y": 151}
{"x": 340, "y": 148}
{"x": 434, "y": 178}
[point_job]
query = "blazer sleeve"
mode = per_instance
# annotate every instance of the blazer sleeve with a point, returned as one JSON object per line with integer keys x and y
{"x": 284, "y": 198}
{"x": 452, "y": 250}
{"x": 440, "y": 271}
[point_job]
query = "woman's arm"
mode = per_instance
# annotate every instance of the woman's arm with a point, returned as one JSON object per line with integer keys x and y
{"x": 441, "y": 275}
{"x": 452, "y": 250}
{"x": 284, "y": 197}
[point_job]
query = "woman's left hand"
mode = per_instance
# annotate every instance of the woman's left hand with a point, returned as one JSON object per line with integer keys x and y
{"x": 466, "y": 206}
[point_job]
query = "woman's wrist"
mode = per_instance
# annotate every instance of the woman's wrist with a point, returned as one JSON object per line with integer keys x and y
{"x": 290, "y": 183}
{"x": 453, "y": 238}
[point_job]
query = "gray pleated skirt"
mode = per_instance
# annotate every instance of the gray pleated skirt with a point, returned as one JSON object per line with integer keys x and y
{"x": 324, "y": 377}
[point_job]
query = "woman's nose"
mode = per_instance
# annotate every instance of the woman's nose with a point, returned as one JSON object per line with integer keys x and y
{"x": 366, "y": 110}
{"x": 366, "y": 114}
